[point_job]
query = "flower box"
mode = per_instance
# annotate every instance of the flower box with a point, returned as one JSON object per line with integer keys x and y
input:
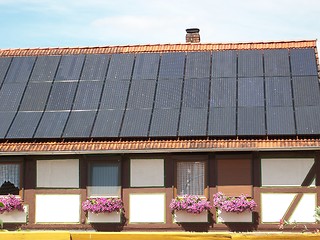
{"x": 184, "y": 217}
{"x": 15, "y": 216}
{"x": 112, "y": 217}
{"x": 234, "y": 217}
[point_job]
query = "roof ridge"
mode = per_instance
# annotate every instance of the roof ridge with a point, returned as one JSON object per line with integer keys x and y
{"x": 177, "y": 47}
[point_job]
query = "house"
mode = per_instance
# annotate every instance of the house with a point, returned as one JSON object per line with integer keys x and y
{"x": 148, "y": 123}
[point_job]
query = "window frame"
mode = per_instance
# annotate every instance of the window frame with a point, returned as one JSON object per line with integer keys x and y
{"x": 20, "y": 162}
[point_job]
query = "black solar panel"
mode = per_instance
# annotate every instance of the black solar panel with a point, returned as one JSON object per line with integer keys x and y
{"x": 306, "y": 91}
{"x": 45, "y": 69}
{"x": 193, "y": 122}
{"x": 251, "y": 121}
{"x": 222, "y": 121}
{"x": 168, "y": 94}
{"x": 303, "y": 62}
{"x": 136, "y": 123}
{"x": 108, "y": 123}
{"x": 276, "y": 62}
{"x": 62, "y": 96}
{"x": 95, "y": 67}
{"x": 250, "y": 92}
{"x": 115, "y": 95}
{"x": 276, "y": 125}
{"x": 164, "y": 123}
{"x": 10, "y": 96}
{"x": 278, "y": 91}
{"x": 223, "y": 92}
{"x": 6, "y": 119}
{"x": 141, "y": 94}
{"x": 24, "y": 125}
{"x": 307, "y": 119}
{"x": 198, "y": 65}
{"x": 224, "y": 64}
{"x": 79, "y": 124}
{"x": 146, "y": 66}
{"x": 20, "y": 70}
{"x": 196, "y": 93}
{"x": 4, "y": 65}
{"x": 172, "y": 65}
{"x": 250, "y": 63}
{"x": 120, "y": 66}
{"x": 70, "y": 68}
{"x": 52, "y": 124}
{"x": 35, "y": 96}
{"x": 88, "y": 95}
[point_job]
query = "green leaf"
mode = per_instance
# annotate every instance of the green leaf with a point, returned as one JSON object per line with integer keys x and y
{"x": 1, "y": 204}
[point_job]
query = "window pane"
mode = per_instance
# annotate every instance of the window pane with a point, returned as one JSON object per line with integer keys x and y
{"x": 104, "y": 179}
{"x": 9, "y": 179}
{"x": 190, "y": 178}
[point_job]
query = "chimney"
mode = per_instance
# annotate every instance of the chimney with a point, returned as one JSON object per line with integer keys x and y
{"x": 193, "y": 35}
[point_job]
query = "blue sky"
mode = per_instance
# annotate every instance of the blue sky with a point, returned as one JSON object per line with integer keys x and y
{"x": 70, "y": 23}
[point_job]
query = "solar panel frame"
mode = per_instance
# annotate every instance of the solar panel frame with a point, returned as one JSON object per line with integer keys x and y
{"x": 45, "y": 69}
{"x": 307, "y": 120}
{"x": 88, "y": 95}
{"x": 95, "y": 67}
{"x": 4, "y": 66}
{"x": 52, "y": 124}
{"x": 306, "y": 91}
{"x": 276, "y": 62}
{"x": 172, "y": 66}
{"x": 222, "y": 121}
{"x": 251, "y": 121}
{"x": 168, "y": 94}
{"x": 280, "y": 121}
{"x": 223, "y": 92}
{"x": 251, "y": 92}
{"x": 79, "y": 124}
{"x": 20, "y": 70}
{"x": 121, "y": 66}
{"x": 193, "y": 122}
{"x": 11, "y": 95}
{"x": 6, "y": 119}
{"x": 70, "y": 68}
{"x": 108, "y": 123}
{"x": 303, "y": 62}
{"x": 115, "y": 94}
{"x": 198, "y": 65}
{"x": 250, "y": 63}
{"x": 224, "y": 64}
{"x": 136, "y": 123}
{"x": 24, "y": 125}
{"x": 141, "y": 94}
{"x": 278, "y": 91}
{"x": 195, "y": 93}
{"x": 164, "y": 122}
{"x": 146, "y": 66}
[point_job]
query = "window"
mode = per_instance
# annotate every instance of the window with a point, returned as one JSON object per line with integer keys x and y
{"x": 10, "y": 179}
{"x": 191, "y": 178}
{"x": 104, "y": 179}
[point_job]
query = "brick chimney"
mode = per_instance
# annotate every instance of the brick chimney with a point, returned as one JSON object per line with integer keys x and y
{"x": 193, "y": 35}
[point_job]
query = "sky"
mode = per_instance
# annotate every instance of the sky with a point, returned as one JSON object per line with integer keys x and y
{"x": 80, "y": 23}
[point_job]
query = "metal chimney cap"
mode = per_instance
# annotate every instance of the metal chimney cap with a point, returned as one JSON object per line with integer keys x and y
{"x": 192, "y": 30}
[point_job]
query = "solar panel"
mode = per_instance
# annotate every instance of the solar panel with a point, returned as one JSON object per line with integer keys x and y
{"x": 4, "y": 65}
{"x": 303, "y": 62}
{"x": 195, "y": 93}
{"x": 251, "y": 121}
{"x": 198, "y": 65}
{"x": 141, "y": 94}
{"x": 223, "y": 92}
{"x": 146, "y": 66}
{"x": 24, "y": 125}
{"x": 70, "y": 67}
{"x": 250, "y": 63}
{"x": 108, "y": 123}
{"x": 121, "y": 66}
{"x": 20, "y": 70}
{"x": 307, "y": 119}
{"x": 280, "y": 121}
{"x": 35, "y": 96}
{"x": 79, "y": 124}
{"x": 168, "y": 94}
{"x": 250, "y": 92}
{"x": 276, "y": 62}
{"x": 164, "y": 123}
{"x": 6, "y": 119}
{"x": 10, "y": 96}
{"x": 88, "y": 95}
{"x": 45, "y": 69}
{"x": 136, "y": 123}
{"x": 306, "y": 91}
{"x": 172, "y": 66}
{"x": 224, "y": 64}
{"x": 278, "y": 91}
{"x": 52, "y": 124}
{"x": 61, "y": 96}
{"x": 193, "y": 122}
{"x": 222, "y": 121}
{"x": 115, "y": 95}
{"x": 95, "y": 67}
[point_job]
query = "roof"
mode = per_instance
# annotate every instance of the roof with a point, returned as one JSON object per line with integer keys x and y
{"x": 165, "y": 96}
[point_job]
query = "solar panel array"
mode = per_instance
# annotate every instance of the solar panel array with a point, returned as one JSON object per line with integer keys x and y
{"x": 184, "y": 94}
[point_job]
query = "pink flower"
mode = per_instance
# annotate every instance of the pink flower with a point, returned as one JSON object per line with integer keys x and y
{"x": 102, "y": 205}
{"x": 190, "y": 203}
{"x": 233, "y": 204}
{"x": 10, "y": 203}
